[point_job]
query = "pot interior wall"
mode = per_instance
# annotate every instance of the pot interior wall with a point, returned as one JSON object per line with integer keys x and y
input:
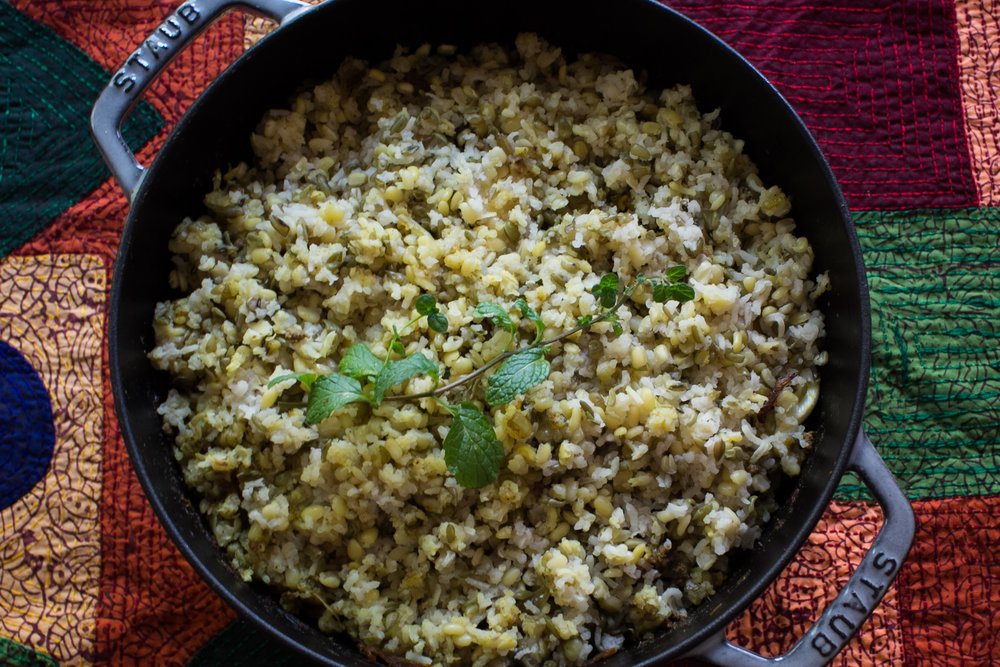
{"x": 215, "y": 133}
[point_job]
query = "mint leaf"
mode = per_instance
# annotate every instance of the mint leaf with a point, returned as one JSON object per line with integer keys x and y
{"x": 516, "y": 375}
{"x": 397, "y": 347}
{"x": 359, "y": 362}
{"x": 426, "y": 304}
{"x": 529, "y": 313}
{"x": 438, "y": 322}
{"x": 661, "y": 292}
{"x": 305, "y": 378}
{"x": 471, "y": 449}
{"x": 680, "y": 291}
{"x": 330, "y": 392}
{"x": 677, "y": 274}
{"x": 606, "y": 290}
{"x": 497, "y": 313}
{"x": 609, "y": 281}
{"x": 397, "y": 372}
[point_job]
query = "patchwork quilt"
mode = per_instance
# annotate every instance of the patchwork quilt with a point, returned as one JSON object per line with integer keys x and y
{"x": 904, "y": 99}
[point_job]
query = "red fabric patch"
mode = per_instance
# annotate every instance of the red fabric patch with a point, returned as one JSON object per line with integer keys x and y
{"x": 949, "y": 587}
{"x": 876, "y": 83}
{"x": 153, "y": 608}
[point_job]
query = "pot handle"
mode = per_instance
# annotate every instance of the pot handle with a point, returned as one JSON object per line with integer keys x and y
{"x": 862, "y": 592}
{"x": 148, "y": 61}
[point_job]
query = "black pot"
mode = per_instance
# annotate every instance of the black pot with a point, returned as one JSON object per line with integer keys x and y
{"x": 645, "y": 35}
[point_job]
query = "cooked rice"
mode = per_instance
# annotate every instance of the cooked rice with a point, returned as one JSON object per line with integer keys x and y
{"x": 629, "y": 475}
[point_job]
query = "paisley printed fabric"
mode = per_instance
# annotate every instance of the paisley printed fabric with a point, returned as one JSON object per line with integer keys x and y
{"x": 903, "y": 99}
{"x": 50, "y": 550}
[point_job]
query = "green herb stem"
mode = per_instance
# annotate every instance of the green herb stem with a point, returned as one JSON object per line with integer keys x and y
{"x": 444, "y": 389}
{"x": 472, "y": 452}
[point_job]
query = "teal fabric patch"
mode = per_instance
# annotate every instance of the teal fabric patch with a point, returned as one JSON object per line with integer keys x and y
{"x": 241, "y": 644}
{"x": 13, "y": 654}
{"x": 48, "y": 161}
{"x": 933, "y": 407}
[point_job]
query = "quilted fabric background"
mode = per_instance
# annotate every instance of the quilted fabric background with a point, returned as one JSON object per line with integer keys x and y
{"x": 903, "y": 99}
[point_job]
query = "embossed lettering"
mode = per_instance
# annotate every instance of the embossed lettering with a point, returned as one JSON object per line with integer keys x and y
{"x": 823, "y": 645}
{"x": 876, "y": 589}
{"x": 137, "y": 59}
{"x": 849, "y": 626}
{"x": 885, "y": 563}
{"x": 155, "y": 45}
{"x": 857, "y": 605}
{"x": 189, "y": 13}
{"x": 170, "y": 29}
{"x": 124, "y": 81}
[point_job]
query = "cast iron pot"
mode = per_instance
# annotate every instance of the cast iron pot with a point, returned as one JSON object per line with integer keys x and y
{"x": 307, "y": 47}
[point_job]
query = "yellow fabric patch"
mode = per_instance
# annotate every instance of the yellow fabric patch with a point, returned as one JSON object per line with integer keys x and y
{"x": 52, "y": 312}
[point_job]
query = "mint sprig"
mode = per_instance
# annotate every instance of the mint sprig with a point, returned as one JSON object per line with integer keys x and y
{"x": 672, "y": 288}
{"x": 436, "y": 320}
{"x": 606, "y": 290}
{"x": 472, "y": 452}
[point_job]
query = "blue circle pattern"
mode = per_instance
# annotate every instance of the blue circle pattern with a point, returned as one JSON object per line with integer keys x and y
{"x": 27, "y": 433}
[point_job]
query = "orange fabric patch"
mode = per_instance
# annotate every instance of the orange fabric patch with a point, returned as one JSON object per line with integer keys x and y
{"x": 811, "y": 582}
{"x": 979, "y": 61}
{"x": 52, "y": 312}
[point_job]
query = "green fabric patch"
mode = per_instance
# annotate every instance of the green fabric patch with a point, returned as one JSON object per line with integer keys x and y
{"x": 241, "y": 644}
{"x": 48, "y": 161}
{"x": 933, "y": 407}
{"x": 13, "y": 654}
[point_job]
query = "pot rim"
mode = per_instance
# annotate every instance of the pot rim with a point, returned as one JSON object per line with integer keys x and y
{"x": 710, "y": 627}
